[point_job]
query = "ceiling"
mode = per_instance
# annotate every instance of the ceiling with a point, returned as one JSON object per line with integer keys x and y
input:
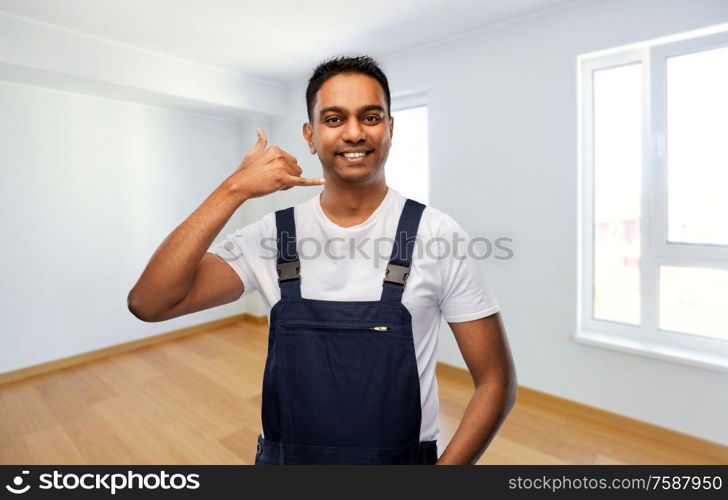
{"x": 277, "y": 40}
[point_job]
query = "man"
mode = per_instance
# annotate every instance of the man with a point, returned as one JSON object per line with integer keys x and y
{"x": 350, "y": 129}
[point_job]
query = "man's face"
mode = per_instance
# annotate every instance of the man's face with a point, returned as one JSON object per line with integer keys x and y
{"x": 350, "y": 116}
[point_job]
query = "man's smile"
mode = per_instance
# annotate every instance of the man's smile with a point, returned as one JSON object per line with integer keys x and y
{"x": 354, "y": 155}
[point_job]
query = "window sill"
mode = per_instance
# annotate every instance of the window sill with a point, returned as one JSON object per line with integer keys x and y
{"x": 652, "y": 350}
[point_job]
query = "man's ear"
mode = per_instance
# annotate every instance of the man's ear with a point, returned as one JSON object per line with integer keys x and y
{"x": 308, "y": 135}
{"x": 391, "y": 127}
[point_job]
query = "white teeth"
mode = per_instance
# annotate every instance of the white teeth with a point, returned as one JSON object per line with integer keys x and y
{"x": 353, "y": 155}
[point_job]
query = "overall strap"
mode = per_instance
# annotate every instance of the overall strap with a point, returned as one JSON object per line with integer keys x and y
{"x": 287, "y": 265}
{"x": 398, "y": 268}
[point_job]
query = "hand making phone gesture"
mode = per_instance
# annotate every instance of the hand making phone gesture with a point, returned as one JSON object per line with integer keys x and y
{"x": 264, "y": 171}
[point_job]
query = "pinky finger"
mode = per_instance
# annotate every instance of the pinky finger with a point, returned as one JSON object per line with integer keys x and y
{"x": 304, "y": 181}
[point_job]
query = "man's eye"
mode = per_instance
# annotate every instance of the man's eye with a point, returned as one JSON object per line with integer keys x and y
{"x": 329, "y": 120}
{"x": 376, "y": 118}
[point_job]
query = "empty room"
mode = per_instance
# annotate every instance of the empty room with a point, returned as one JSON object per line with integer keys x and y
{"x": 452, "y": 233}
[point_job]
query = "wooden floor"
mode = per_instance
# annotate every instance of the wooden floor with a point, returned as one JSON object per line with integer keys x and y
{"x": 196, "y": 400}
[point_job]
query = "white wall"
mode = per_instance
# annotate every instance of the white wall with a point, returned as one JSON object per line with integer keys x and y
{"x": 90, "y": 187}
{"x": 502, "y": 118}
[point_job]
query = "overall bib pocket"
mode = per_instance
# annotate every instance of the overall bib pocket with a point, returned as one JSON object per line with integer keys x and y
{"x": 347, "y": 386}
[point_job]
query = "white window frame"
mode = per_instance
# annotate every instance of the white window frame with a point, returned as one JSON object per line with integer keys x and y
{"x": 646, "y": 339}
{"x": 409, "y": 99}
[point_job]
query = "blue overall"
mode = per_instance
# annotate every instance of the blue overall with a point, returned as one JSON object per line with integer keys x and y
{"x": 341, "y": 384}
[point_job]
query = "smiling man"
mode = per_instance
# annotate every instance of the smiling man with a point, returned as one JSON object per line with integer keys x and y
{"x": 350, "y": 372}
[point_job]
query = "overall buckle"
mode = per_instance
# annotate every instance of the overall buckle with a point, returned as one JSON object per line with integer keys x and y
{"x": 396, "y": 274}
{"x": 289, "y": 270}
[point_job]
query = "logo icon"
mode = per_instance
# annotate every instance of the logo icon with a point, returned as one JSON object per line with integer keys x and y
{"x": 18, "y": 481}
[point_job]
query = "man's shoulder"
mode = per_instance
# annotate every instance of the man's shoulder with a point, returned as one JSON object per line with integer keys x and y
{"x": 435, "y": 222}
{"x": 431, "y": 220}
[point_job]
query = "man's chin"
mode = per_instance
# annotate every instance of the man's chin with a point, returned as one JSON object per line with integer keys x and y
{"x": 354, "y": 174}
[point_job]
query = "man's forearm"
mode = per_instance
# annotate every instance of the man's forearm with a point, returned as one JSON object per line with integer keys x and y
{"x": 171, "y": 269}
{"x": 483, "y": 416}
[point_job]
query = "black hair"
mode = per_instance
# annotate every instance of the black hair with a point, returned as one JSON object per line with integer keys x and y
{"x": 364, "y": 65}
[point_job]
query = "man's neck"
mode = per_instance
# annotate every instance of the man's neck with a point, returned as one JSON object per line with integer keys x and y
{"x": 349, "y": 205}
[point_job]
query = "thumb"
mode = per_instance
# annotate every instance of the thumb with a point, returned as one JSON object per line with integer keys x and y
{"x": 262, "y": 141}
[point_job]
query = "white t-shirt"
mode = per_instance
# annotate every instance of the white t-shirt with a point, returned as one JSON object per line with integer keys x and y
{"x": 348, "y": 264}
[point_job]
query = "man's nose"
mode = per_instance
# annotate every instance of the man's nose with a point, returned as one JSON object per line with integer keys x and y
{"x": 353, "y": 132}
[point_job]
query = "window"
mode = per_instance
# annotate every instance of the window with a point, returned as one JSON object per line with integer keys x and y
{"x": 653, "y": 239}
{"x": 407, "y": 167}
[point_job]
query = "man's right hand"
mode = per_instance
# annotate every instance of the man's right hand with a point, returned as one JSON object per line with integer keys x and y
{"x": 264, "y": 171}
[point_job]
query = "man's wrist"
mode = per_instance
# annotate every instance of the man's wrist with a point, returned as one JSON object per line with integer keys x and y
{"x": 235, "y": 191}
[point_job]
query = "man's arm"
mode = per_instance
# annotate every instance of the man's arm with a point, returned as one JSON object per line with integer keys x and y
{"x": 181, "y": 277}
{"x": 485, "y": 349}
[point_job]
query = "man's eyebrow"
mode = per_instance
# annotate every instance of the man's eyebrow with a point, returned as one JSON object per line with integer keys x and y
{"x": 331, "y": 109}
{"x": 371, "y": 107}
{"x": 363, "y": 109}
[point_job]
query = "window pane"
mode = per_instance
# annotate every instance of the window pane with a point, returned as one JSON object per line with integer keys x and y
{"x": 694, "y": 300}
{"x": 617, "y": 193}
{"x": 407, "y": 167}
{"x": 697, "y": 147}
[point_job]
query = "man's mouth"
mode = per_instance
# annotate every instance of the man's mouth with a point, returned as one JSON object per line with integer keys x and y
{"x": 354, "y": 156}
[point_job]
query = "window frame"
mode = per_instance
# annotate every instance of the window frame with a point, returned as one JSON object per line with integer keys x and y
{"x": 646, "y": 339}
{"x": 409, "y": 99}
